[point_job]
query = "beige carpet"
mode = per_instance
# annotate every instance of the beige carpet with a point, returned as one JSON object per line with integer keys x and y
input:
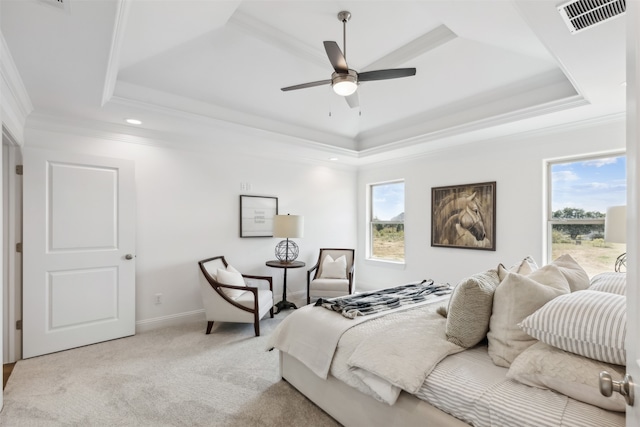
{"x": 175, "y": 376}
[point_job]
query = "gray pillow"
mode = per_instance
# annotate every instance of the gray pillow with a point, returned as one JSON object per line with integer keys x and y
{"x": 470, "y": 308}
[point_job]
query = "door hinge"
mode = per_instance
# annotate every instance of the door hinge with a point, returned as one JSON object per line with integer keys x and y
{"x": 19, "y": 325}
{"x": 19, "y": 247}
{"x": 19, "y": 169}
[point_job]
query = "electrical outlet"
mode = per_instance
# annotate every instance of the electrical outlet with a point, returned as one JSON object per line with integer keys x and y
{"x": 158, "y": 299}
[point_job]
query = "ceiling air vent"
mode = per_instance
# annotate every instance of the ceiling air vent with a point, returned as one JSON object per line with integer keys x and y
{"x": 582, "y": 14}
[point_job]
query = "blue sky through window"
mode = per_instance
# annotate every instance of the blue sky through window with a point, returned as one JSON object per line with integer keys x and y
{"x": 388, "y": 200}
{"x": 592, "y": 185}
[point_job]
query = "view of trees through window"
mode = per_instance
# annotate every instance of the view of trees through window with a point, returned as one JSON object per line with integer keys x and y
{"x": 581, "y": 191}
{"x": 387, "y": 221}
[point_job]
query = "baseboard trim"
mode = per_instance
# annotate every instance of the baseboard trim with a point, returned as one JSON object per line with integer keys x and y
{"x": 170, "y": 320}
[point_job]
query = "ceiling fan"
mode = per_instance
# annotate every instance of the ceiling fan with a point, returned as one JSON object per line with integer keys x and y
{"x": 344, "y": 80}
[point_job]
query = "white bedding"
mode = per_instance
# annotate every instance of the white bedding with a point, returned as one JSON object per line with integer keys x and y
{"x": 311, "y": 334}
{"x": 397, "y": 357}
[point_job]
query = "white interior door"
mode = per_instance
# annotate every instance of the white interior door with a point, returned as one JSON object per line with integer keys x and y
{"x": 78, "y": 250}
{"x": 633, "y": 206}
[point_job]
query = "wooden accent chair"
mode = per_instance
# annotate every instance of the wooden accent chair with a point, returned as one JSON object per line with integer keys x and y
{"x": 227, "y": 298}
{"x": 331, "y": 277}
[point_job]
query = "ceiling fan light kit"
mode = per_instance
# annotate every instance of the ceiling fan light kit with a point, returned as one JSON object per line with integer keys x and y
{"x": 344, "y": 84}
{"x": 344, "y": 80}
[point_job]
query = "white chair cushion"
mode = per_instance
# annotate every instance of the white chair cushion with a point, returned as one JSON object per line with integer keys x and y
{"x": 230, "y": 276}
{"x": 321, "y": 285}
{"x": 334, "y": 269}
{"x": 265, "y": 299}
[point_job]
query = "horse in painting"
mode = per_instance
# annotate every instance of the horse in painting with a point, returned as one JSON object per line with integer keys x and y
{"x": 459, "y": 221}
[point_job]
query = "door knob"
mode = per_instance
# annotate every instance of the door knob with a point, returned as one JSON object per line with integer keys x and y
{"x": 624, "y": 387}
{"x": 128, "y": 256}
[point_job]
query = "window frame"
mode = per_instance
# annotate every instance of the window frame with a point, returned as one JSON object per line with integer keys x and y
{"x": 550, "y": 221}
{"x": 371, "y": 223}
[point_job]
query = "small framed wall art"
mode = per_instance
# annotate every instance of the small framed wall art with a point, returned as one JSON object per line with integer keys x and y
{"x": 464, "y": 216}
{"x": 256, "y": 215}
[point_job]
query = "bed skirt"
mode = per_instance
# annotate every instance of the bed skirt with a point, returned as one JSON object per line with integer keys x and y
{"x": 351, "y": 408}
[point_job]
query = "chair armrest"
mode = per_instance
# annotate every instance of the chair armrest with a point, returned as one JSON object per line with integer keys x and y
{"x": 224, "y": 296}
{"x": 309, "y": 271}
{"x": 265, "y": 278}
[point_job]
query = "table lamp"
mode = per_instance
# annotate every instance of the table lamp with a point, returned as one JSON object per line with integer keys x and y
{"x": 288, "y": 226}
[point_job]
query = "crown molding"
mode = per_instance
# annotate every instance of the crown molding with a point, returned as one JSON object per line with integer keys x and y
{"x": 421, "y": 45}
{"x": 117, "y": 40}
{"x": 130, "y": 95}
{"x": 428, "y": 149}
{"x": 16, "y": 103}
{"x": 546, "y": 93}
{"x": 241, "y": 141}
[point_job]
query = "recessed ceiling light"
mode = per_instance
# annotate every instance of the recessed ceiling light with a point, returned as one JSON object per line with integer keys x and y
{"x": 133, "y": 121}
{"x": 333, "y": 159}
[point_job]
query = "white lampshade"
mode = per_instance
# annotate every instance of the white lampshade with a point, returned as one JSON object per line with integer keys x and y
{"x": 288, "y": 226}
{"x": 615, "y": 224}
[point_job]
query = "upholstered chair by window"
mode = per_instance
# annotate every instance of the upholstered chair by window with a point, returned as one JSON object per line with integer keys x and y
{"x": 332, "y": 276}
{"x": 227, "y": 298}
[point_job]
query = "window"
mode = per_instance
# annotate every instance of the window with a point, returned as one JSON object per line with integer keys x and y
{"x": 580, "y": 193}
{"x": 386, "y": 238}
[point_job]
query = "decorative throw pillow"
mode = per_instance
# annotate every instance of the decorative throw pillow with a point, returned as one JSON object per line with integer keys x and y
{"x": 525, "y": 267}
{"x": 334, "y": 269}
{"x": 544, "y": 366}
{"x": 470, "y": 308}
{"x": 575, "y": 275}
{"x": 231, "y": 276}
{"x": 612, "y": 282}
{"x": 589, "y": 323}
{"x": 515, "y": 298}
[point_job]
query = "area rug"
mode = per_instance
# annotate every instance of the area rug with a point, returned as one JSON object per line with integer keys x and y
{"x": 175, "y": 376}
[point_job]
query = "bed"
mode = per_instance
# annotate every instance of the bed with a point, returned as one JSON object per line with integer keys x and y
{"x": 354, "y": 369}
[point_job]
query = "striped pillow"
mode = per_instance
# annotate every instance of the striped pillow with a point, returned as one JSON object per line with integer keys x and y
{"x": 612, "y": 282}
{"x": 589, "y": 323}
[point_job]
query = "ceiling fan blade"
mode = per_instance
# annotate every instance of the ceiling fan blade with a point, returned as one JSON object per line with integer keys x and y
{"x": 353, "y": 100}
{"x": 336, "y": 57}
{"x": 394, "y": 73}
{"x": 306, "y": 85}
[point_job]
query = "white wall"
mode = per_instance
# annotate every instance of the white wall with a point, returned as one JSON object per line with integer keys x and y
{"x": 188, "y": 210}
{"x": 517, "y": 164}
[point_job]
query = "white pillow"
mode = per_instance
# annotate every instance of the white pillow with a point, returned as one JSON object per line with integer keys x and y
{"x": 231, "y": 276}
{"x": 589, "y": 323}
{"x": 612, "y": 282}
{"x": 525, "y": 267}
{"x": 515, "y": 298}
{"x": 544, "y": 366}
{"x": 571, "y": 270}
{"x": 334, "y": 269}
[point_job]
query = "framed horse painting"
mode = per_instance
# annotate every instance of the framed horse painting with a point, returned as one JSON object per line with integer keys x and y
{"x": 464, "y": 216}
